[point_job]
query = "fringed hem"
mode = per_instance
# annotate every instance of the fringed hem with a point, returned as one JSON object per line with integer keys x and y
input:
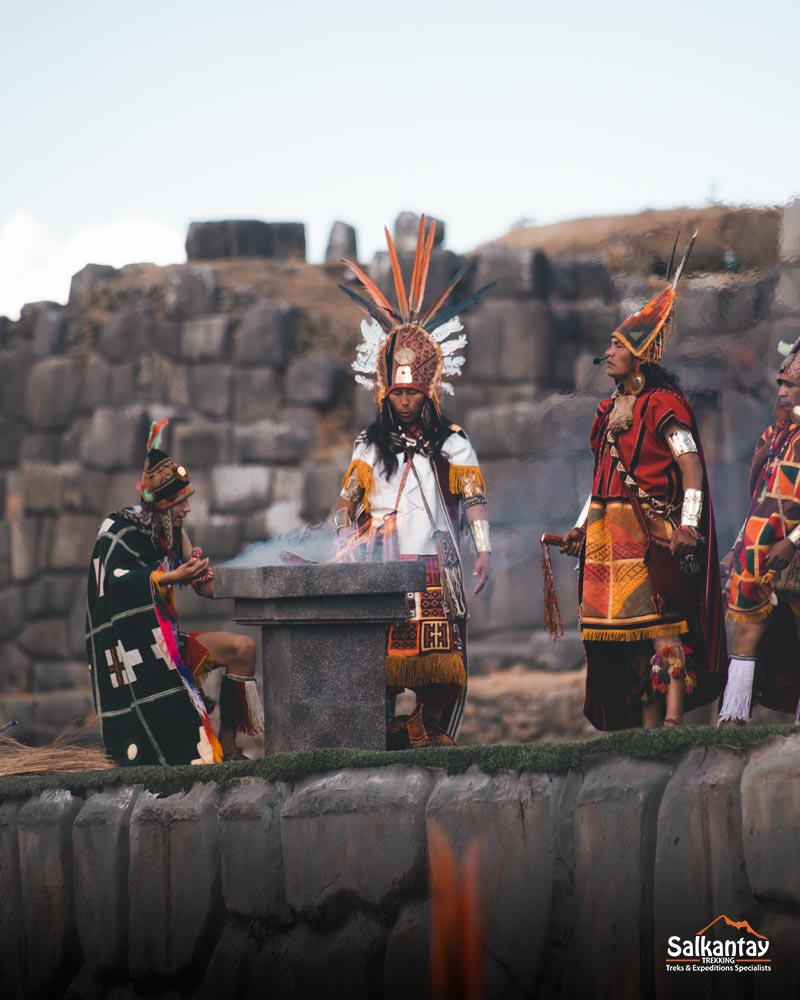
{"x": 431, "y": 668}
{"x": 240, "y": 705}
{"x": 755, "y": 615}
{"x": 738, "y": 696}
{"x": 633, "y": 635}
{"x": 462, "y": 476}
{"x": 363, "y": 472}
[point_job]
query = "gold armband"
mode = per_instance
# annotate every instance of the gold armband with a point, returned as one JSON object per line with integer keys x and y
{"x": 341, "y": 519}
{"x": 794, "y": 536}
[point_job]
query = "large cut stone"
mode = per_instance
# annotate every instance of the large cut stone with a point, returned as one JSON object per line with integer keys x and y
{"x": 12, "y": 438}
{"x": 556, "y": 425}
{"x": 315, "y": 380}
{"x": 331, "y": 825}
{"x": 265, "y": 335}
{"x": 114, "y": 439}
{"x": 342, "y": 243}
{"x": 127, "y": 334}
{"x": 255, "y": 395}
{"x": 200, "y": 445}
{"x": 251, "y": 852}
{"x": 229, "y": 238}
{"x": 274, "y": 441}
{"x": 206, "y": 339}
{"x": 51, "y": 397}
{"x": 616, "y": 816}
{"x": 699, "y": 865}
{"x": 511, "y": 814}
{"x": 46, "y": 887}
{"x": 190, "y": 290}
{"x": 174, "y": 857}
{"x": 14, "y": 677}
{"x": 89, "y": 280}
{"x": 100, "y": 838}
{"x": 15, "y": 366}
{"x": 406, "y": 231}
{"x": 73, "y": 542}
{"x": 227, "y": 968}
{"x": 581, "y": 277}
{"x": 444, "y": 264}
{"x": 42, "y": 485}
{"x": 789, "y": 247}
{"x": 406, "y": 970}
{"x": 12, "y": 611}
{"x": 210, "y": 389}
{"x": 24, "y": 538}
{"x": 240, "y": 488}
{"x": 51, "y": 331}
{"x": 770, "y": 856}
{"x": 520, "y": 272}
{"x": 510, "y": 341}
{"x": 13, "y": 956}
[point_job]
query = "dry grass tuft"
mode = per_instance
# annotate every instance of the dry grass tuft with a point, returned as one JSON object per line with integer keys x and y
{"x": 63, "y": 755}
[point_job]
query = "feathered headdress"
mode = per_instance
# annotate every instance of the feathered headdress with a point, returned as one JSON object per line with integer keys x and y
{"x": 163, "y": 482}
{"x": 790, "y": 368}
{"x": 645, "y": 333}
{"x": 402, "y": 346}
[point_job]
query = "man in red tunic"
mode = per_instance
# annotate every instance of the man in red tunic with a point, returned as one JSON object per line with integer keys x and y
{"x": 649, "y": 593}
{"x": 763, "y": 602}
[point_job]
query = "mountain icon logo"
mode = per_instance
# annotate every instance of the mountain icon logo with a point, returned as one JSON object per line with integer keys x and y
{"x": 738, "y": 925}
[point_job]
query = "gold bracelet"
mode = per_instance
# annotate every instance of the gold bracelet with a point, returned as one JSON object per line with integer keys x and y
{"x": 480, "y": 535}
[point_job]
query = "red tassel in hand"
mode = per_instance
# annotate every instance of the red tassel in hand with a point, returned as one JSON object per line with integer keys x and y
{"x": 552, "y": 612}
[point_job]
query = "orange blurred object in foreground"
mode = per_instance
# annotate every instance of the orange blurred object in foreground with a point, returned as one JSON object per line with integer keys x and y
{"x": 456, "y": 943}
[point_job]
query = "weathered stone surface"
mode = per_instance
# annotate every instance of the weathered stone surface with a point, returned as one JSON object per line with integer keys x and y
{"x": 270, "y": 441}
{"x": 406, "y": 231}
{"x": 520, "y": 272}
{"x": 251, "y": 852}
{"x": 406, "y": 967}
{"x": 789, "y": 247}
{"x": 342, "y": 242}
{"x": 14, "y": 677}
{"x": 41, "y": 447}
{"x": 283, "y": 517}
{"x": 206, "y": 339}
{"x": 23, "y": 537}
{"x": 513, "y": 814}
{"x": 510, "y": 341}
{"x": 699, "y": 843}
{"x": 240, "y": 488}
{"x": 158, "y": 379}
{"x": 82, "y": 490}
{"x": 73, "y": 542}
{"x": 556, "y": 425}
{"x": 381, "y": 806}
{"x": 51, "y": 395}
{"x": 290, "y": 240}
{"x": 265, "y": 335}
{"x": 233, "y": 955}
{"x": 255, "y": 395}
{"x": 60, "y": 675}
{"x": 100, "y": 837}
{"x": 322, "y": 483}
{"x": 190, "y": 291}
{"x": 127, "y": 334}
{"x": 581, "y": 277}
{"x": 220, "y": 536}
{"x": 42, "y": 485}
{"x": 46, "y": 886}
{"x": 46, "y": 637}
{"x": 771, "y": 869}
{"x": 200, "y": 445}
{"x": 230, "y": 238}
{"x": 50, "y": 332}
{"x": 106, "y": 384}
{"x": 13, "y": 958}
{"x": 210, "y": 389}
{"x": 174, "y": 854}
{"x": 53, "y": 710}
{"x": 12, "y": 611}
{"x": 345, "y": 962}
{"x": 88, "y": 280}
{"x": 615, "y": 834}
{"x": 114, "y": 439}
{"x": 315, "y": 380}
{"x": 12, "y": 437}
{"x": 15, "y": 366}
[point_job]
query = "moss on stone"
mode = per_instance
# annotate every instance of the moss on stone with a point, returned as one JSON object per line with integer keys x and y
{"x": 549, "y": 757}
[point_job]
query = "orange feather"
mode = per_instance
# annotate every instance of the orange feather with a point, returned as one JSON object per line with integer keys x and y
{"x": 422, "y": 280}
{"x": 417, "y": 260}
{"x": 377, "y": 295}
{"x": 397, "y": 274}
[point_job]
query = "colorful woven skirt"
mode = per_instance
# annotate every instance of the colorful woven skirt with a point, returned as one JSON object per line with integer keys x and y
{"x": 618, "y": 603}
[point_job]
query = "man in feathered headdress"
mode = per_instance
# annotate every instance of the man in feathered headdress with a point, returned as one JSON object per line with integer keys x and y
{"x": 763, "y": 592}
{"x": 147, "y": 676}
{"x": 649, "y": 592}
{"x": 413, "y": 471}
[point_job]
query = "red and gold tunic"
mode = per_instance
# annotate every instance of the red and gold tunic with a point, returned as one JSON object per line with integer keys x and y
{"x": 626, "y": 602}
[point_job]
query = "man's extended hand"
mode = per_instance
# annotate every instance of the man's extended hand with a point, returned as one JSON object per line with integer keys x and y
{"x": 572, "y": 542}
{"x": 681, "y": 543}
{"x": 481, "y": 571}
{"x": 189, "y": 572}
{"x": 780, "y": 555}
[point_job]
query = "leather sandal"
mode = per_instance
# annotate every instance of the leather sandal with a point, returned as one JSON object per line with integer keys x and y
{"x": 672, "y": 723}
{"x": 235, "y": 754}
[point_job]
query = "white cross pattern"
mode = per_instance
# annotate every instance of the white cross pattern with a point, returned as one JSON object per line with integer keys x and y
{"x": 160, "y": 648}
{"x": 100, "y": 576}
{"x": 121, "y": 662}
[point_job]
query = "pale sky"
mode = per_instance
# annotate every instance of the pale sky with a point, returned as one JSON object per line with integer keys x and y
{"x": 123, "y": 123}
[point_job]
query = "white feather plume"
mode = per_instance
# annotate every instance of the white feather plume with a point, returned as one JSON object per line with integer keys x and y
{"x": 448, "y": 388}
{"x": 454, "y": 345}
{"x": 453, "y": 325}
{"x": 367, "y": 351}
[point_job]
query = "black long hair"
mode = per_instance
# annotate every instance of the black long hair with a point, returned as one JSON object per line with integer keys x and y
{"x": 380, "y": 433}
{"x": 656, "y": 377}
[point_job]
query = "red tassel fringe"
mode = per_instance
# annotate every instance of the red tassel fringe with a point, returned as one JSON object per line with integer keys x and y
{"x": 552, "y": 612}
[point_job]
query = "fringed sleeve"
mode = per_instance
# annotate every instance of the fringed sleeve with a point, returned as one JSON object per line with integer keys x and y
{"x": 358, "y": 483}
{"x": 466, "y": 480}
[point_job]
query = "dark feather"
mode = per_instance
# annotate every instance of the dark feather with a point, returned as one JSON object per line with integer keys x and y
{"x": 376, "y": 294}
{"x": 459, "y": 307}
{"x": 446, "y": 293}
{"x": 377, "y": 314}
{"x": 672, "y": 255}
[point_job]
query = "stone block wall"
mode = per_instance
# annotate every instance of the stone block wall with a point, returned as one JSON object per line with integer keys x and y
{"x": 319, "y": 887}
{"x": 264, "y": 411}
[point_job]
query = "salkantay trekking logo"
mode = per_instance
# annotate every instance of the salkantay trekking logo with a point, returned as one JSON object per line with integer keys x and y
{"x": 716, "y": 948}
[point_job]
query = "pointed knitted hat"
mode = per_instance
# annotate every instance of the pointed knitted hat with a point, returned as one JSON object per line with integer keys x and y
{"x": 163, "y": 482}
